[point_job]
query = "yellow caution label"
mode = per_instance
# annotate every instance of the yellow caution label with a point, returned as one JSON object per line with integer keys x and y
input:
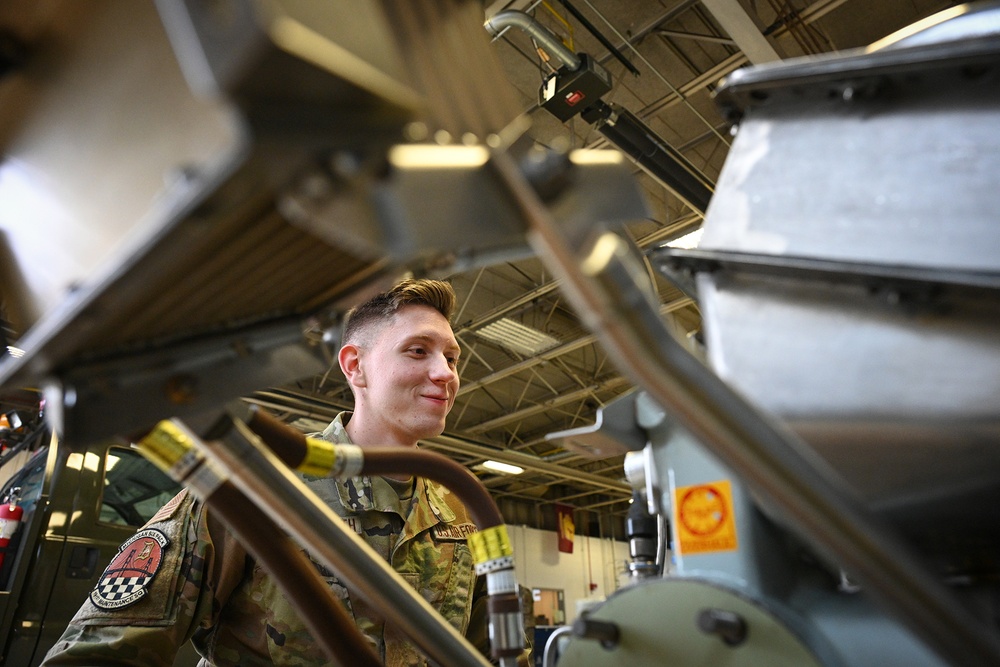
{"x": 319, "y": 459}
{"x": 490, "y": 544}
{"x": 165, "y": 445}
{"x": 703, "y": 518}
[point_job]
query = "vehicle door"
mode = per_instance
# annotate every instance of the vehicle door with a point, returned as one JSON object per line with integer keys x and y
{"x": 88, "y": 503}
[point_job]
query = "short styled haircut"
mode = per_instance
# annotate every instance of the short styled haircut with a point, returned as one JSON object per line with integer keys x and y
{"x": 365, "y": 320}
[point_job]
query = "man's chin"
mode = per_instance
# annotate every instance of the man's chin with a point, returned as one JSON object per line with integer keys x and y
{"x": 432, "y": 431}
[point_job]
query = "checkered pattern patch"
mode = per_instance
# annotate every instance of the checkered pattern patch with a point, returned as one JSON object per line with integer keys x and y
{"x": 127, "y": 578}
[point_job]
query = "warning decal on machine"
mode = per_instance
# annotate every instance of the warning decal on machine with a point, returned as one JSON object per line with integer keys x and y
{"x": 703, "y": 518}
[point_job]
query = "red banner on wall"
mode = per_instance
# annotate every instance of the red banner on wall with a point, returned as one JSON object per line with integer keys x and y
{"x": 566, "y": 527}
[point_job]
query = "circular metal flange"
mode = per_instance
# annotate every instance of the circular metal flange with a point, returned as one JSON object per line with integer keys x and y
{"x": 658, "y": 624}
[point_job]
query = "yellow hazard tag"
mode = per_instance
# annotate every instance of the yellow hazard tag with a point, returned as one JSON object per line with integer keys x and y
{"x": 703, "y": 518}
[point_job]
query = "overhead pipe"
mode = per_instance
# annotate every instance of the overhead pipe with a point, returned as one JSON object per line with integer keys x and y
{"x": 512, "y": 18}
{"x": 585, "y": 22}
{"x": 664, "y": 163}
{"x": 602, "y": 282}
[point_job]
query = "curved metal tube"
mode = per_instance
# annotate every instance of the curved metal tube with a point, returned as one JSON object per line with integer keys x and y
{"x": 285, "y": 498}
{"x": 548, "y": 657}
{"x": 457, "y": 478}
{"x": 603, "y": 285}
{"x": 511, "y": 18}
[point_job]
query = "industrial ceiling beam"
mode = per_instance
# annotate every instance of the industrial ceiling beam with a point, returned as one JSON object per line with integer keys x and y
{"x": 555, "y": 352}
{"x": 527, "y": 462}
{"x": 740, "y": 26}
{"x": 544, "y": 406}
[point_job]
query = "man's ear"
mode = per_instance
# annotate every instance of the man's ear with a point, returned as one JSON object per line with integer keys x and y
{"x": 350, "y": 364}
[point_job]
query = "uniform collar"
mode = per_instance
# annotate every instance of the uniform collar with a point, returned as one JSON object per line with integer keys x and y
{"x": 357, "y": 494}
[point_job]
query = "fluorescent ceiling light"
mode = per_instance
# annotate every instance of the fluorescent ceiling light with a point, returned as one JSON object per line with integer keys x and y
{"x": 517, "y": 338}
{"x": 595, "y": 156}
{"x": 689, "y": 240}
{"x": 430, "y": 156}
{"x": 505, "y": 468}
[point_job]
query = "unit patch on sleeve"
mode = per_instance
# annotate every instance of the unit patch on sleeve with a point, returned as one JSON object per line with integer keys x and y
{"x": 127, "y": 579}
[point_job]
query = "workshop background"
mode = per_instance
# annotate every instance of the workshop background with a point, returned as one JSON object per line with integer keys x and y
{"x": 529, "y": 367}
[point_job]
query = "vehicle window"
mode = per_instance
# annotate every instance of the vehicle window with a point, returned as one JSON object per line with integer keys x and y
{"x": 24, "y": 488}
{"x": 27, "y": 481}
{"x": 134, "y": 488}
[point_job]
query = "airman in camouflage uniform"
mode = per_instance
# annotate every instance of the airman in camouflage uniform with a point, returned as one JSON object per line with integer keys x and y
{"x": 400, "y": 358}
{"x": 209, "y": 590}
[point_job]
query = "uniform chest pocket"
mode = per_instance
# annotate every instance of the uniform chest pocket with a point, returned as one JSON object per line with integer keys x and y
{"x": 442, "y": 573}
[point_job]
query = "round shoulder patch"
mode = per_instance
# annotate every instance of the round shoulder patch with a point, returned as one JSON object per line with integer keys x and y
{"x": 127, "y": 578}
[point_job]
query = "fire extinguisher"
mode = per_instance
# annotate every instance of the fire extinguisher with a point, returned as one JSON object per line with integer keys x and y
{"x": 10, "y": 520}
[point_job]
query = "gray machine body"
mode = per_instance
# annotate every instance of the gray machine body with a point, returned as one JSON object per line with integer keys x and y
{"x": 849, "y": 281}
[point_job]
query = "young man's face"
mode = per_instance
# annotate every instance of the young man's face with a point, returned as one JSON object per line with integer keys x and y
{"x": 406, "y": 379}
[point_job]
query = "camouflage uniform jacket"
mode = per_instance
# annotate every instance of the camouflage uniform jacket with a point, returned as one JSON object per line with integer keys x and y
{"x": 207, "y": 588}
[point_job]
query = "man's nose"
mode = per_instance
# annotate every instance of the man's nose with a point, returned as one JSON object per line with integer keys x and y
{"x": 442, "y": 371}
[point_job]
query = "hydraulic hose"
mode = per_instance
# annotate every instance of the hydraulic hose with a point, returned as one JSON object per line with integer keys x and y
{"x": 172, "y": 448}
{"x": 491, "y": 548}
{"x": 461, "y": 482}
{"x": 300, "y": 452}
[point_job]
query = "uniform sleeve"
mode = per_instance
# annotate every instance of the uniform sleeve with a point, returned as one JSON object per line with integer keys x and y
{"x": 199, "y": 567}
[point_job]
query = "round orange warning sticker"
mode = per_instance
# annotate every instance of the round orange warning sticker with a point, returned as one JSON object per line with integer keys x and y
{"x": 702, "y": 510}
{"x": 703, "y": 516}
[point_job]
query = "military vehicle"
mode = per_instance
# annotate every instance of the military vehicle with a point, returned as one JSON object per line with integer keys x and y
{"x": 76, "y": 508}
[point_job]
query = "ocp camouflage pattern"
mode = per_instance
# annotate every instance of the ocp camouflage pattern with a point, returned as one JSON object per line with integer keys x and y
{"x": 211, "y": 591}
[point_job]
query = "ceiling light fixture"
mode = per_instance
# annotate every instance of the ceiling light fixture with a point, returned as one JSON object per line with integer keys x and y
{"x": 505, "y": 468}
{"x": 517, "y": 337}
{"x": 431, "y": 156}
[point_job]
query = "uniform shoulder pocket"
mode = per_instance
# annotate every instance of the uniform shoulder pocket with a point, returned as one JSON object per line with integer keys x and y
{"x": 140, "y": 584}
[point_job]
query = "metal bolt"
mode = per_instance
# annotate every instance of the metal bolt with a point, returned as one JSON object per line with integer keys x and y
{"x": 728, "y": 625}
{"x": 603, "y": 631}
